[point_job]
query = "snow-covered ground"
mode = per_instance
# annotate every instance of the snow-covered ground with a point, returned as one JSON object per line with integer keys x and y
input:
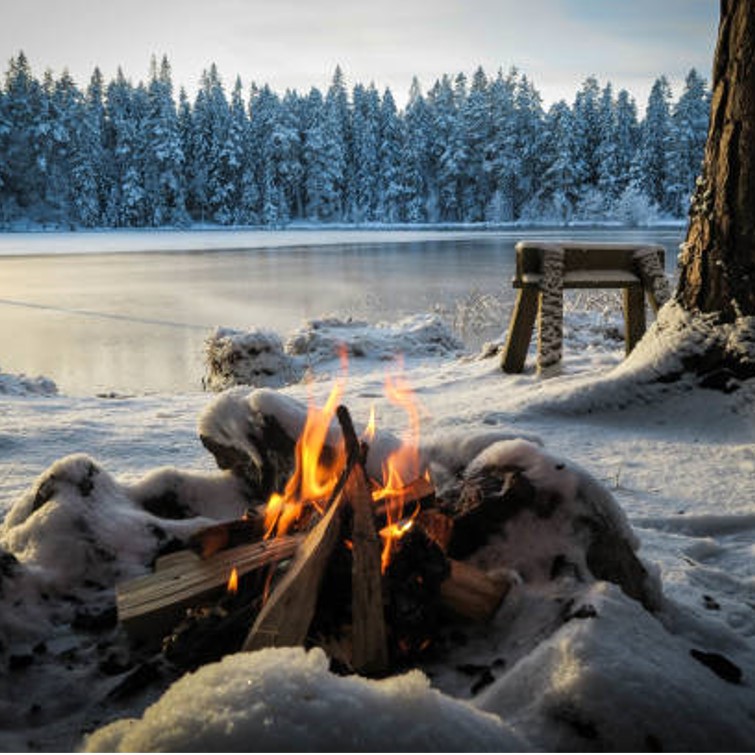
{"x": 679, "y": 459}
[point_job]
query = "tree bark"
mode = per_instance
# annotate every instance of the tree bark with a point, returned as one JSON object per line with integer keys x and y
{"x": 718, "y": 259}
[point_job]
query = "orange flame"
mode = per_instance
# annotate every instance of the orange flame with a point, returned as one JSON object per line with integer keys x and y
{"x": 316, "y": 473}
{"x": 314, "y": 476}
{"x": 369, "y": 432}
{"x": 233, "y": 582}
{"x": 400, "y": 469}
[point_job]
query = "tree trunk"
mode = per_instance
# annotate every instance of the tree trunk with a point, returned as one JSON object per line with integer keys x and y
{"x": 718, "y": 260}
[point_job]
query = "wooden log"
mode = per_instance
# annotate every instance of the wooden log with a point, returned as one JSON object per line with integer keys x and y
{"x": 150, "y": 606}
{"x": 369, "y": 639}
{"x": 419, "y": 493}
{"x": 285, "y": 619}
{"x": 438, "y": 526}
{"x": 471, "y": 593}
{"x": 230, "y": 534}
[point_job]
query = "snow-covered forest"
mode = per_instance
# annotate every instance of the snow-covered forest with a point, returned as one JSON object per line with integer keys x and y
{"x": 117, "y": 154}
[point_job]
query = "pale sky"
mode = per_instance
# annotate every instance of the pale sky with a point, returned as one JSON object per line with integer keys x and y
{"x": 298, "y": 43}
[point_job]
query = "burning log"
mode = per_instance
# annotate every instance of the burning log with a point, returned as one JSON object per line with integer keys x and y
{"x": 287, "y": 615}
{"x": 230, "y": 534}
{"x": 370, "y": 648}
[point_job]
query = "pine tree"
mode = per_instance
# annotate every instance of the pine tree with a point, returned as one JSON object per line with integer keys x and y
{"x": 559, "y": 193}
{"x": 245, "y": 200}
{"x": 24, "y": 181}
{"x": 626, "y": 138}
{"x": 416, "y": 157}
{"x": 366, "y": 133}
{"x": 287, "y": 141}
{"x": 126, "y": 109}
{"x": 448, "y": 150}
{"x": 654, "y": 149}
{"x": 270, "y": 145}
{"x": 505, "y": 158}
{"x": 689, "y": 122}
{"x": 5, "y": 199}
{"x": 588, "y": 131}
{"x": 528, "y": 142}
{"x": 163, "y": 173}
{"x": 88, "y": 167}
{"x": 477, "y": 125}
{"x": 390, "y": 190}
{"x": 337, "y": 125}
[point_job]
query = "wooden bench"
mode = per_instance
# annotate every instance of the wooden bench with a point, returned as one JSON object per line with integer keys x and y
{"x": 544, "y": 269}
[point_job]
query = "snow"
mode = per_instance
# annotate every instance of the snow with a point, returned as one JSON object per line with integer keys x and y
{"x": 92, "y": 488}
{"x": 283, "y": 700}
{"x": 259, "y": 357}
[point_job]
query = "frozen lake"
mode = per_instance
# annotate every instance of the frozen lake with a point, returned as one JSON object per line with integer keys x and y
{"x": 129, "y": 311}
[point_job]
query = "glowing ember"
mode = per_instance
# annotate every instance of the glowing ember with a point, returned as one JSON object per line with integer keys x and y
{"x": 233, "y": 582}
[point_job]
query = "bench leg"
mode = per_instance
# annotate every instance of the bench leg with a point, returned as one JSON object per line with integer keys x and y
{"x": 653, "y": 277}
{"x": 634, "y": 316}
{"x": 520, "y": 330}
{"x": 550, "y": 330}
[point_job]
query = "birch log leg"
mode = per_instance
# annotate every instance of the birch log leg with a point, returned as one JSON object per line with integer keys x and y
{"x": 551, "y": 314}
{"x": 653, "y": 277}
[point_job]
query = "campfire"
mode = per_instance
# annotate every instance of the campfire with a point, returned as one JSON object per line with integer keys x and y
{"x": 355, "y": 549}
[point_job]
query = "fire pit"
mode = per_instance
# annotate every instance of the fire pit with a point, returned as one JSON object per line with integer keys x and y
{"x": 368, "y": 546}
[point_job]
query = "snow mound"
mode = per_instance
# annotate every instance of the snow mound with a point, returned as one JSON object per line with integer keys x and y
{"x": 254, "y": 357}
{"x": 678, "y": 353}
{"x": 78, "y": 526}
{"x": 259, "y": 358}
{"x": 567, "y": 692}
{"x": 415, "y": 336}
{"x": 285, "y": 699}
{"x": 21, "y": 385}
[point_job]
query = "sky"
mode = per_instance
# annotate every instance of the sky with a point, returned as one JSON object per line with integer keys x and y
{"x": 297, "y": 44}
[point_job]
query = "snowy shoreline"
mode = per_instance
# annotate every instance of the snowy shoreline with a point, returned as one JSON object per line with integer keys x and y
{"x": 55, "y": 241}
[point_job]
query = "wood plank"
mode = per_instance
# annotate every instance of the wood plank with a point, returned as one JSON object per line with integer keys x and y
{"x": 150, "y": 606}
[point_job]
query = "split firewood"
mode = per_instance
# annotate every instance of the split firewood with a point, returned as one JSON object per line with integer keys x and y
{"x": 417, "y": 494}
{"x": 438, "y": 526}
{"x": 471, "y": 593}
{"x": 150, "y": 606}
{"x": 230, "y": 534}
{"x": 285, "y": 619}
{"x": 369, "y": 642}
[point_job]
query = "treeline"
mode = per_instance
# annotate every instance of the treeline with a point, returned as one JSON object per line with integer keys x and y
{"x": 120, "y": 155}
